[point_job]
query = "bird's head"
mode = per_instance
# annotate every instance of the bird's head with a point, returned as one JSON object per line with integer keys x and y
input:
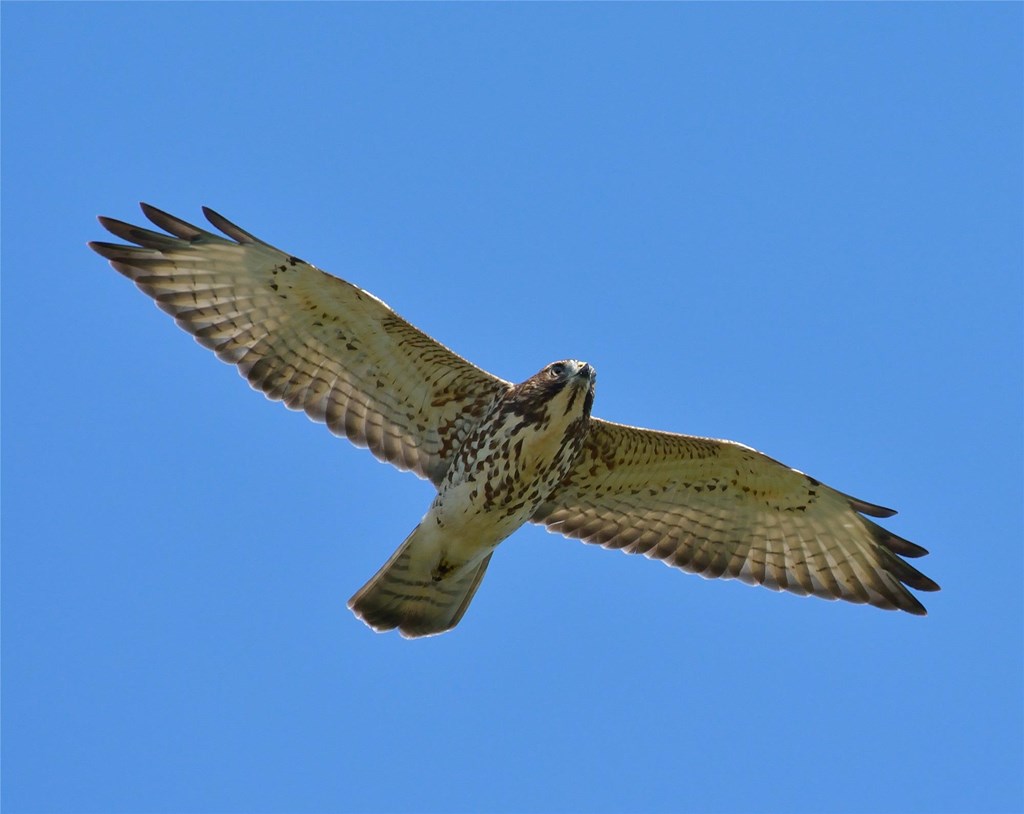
{"x": 569, "y": 382}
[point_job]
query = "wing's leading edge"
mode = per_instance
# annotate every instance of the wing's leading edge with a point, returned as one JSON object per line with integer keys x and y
{"x": 311, "y": 340}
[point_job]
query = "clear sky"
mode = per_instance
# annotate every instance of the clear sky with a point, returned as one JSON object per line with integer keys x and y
{"x": 797, "y": 226}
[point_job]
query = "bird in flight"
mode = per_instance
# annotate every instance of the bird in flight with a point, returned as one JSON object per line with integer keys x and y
{"x": 501, "y": 454}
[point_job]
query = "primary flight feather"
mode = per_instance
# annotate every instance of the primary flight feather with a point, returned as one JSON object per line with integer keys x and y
{"x": 501, "y": 454}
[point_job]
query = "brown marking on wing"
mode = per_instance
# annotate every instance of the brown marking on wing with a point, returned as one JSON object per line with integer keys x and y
{"x": 720, "y": 509}
{"x": 311, "y": 340}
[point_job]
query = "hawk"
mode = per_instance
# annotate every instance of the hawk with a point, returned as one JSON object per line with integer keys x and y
{"x": 501, "y": 454}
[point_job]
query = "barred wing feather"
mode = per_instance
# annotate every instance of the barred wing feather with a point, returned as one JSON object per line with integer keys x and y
{"x": 720, "y": 509}
{"x": 311, "y": 340}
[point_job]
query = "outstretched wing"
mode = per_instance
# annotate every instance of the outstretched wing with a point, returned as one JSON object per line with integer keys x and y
{"x": 313, "y": 341}
{"x": 720, "y": 509}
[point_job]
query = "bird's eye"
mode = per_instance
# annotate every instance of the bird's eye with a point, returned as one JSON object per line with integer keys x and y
{"x": 556, "y": 370}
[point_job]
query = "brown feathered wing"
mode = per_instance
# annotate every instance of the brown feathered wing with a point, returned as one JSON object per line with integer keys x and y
{"x": 309, "y": 339}
{"x": 720, "y": 509}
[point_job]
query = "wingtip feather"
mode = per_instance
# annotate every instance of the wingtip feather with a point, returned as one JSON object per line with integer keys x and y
{"x": 870, "y": 509}
{"x": 174, "y": 225}
{"x": 232, "y": 230}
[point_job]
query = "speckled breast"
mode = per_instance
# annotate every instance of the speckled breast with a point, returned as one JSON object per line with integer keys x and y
{"x": 513, "y": 460}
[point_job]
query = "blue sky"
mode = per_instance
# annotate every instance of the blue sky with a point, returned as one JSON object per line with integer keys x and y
{"x": 797, "y": 226}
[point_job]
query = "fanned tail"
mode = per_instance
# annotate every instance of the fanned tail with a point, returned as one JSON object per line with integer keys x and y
{"x": 401, "y": 595}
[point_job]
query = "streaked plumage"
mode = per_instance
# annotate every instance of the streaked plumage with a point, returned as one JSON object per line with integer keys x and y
{"x": 501, "y": 454}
